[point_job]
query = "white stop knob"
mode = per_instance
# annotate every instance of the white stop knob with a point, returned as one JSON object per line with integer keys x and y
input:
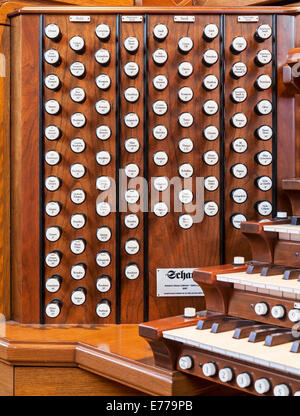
{"x": 243, "y": 380}
{"x": 294, "y": 315}
{"x": 281, "y": 390}
{"x": 278, "y": 311}
{"x": 186, "y": 362}
{"x": 189, "y": 312}
{"x": 262, "y": 385}
{"x": 261, "y": 308}
{"x": 225, "y": 374}
{"x": 238, "y": 260}
{"x": 209, "y": 369}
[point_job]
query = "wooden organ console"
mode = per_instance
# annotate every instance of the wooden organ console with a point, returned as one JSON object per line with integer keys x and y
{"x": 248, "y": 336}
{"x": 162, "y": 94}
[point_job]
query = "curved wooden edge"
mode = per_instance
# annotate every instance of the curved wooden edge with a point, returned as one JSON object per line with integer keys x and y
{"x": 291, "y": 186}
{"x": 291, "y": 71}
{"x": 136, "y": 374}
{"x": 262, "y": 243}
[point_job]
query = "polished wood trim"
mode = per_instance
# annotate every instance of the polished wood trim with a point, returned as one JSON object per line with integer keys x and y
{"x": 114, "y": 352}
{"x": 6, "y": 380}
{"x": 25, "y": 175}
{"x": 160, "y": 10}
{"x": 61, "y": 381}
{"x": 5, "y": 171}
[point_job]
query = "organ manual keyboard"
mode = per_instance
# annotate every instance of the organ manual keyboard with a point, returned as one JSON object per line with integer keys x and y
{"x": 248, "y": 337}
{"x": 165, "y": 96}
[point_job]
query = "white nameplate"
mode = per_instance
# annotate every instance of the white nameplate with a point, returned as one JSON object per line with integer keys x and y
{"x": 132, "y": 19}
{"x": 80, "y": 19}
{"x": 182, "y": 19}
{"x": 297, "y": 305}
{"x": 176, "y": 282}
{"x": 247, "y": 19}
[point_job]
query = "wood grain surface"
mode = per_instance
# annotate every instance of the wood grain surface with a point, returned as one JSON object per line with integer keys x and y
{"x": 112, "y": 352}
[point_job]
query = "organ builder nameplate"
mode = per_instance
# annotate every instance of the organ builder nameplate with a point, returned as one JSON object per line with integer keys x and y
{"x": 176, "y": 282}
{"x": 156, "y": 138}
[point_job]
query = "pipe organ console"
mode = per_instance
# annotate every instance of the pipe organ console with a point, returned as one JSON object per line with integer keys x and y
{"x": 248, "y": 338}
{"x": 116, "y": 114}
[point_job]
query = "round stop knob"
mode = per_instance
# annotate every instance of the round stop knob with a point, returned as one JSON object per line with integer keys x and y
{"x": 243, "y": 380}
{"x": 262, "y": 385}
{"x": 278, "y": 311}
{"x": 209, "y": 369}
{"x": 186, "y": 362}
{"x": 281, "y": 390}
{"x": 261, "y": 308}
{"x": 294, "y": 315}
{"x": 226, "y": 374}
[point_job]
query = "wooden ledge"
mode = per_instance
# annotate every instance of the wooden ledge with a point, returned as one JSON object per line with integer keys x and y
{"x": 114, "y": 352}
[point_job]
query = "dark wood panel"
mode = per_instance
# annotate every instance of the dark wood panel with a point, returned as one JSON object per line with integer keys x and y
{"x": 254, "y": 194}
{"x": 199, "y": 245}
{"x": 85, "y": 313}
{"x": 132, "y": 290}
{"x": 25, "y": 170}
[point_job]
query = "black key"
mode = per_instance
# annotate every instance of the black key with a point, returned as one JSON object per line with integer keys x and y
{"x": 256, "y": 266}
{"x": 208, "y": 322}
{"x": 295, "y": 220}
{"x": 279, "y": 338}
{"x": 295, "y": 346}
{"x": 272, "y": 270}
{"x": 244, "y": 332}
{"x": 230, "y": 325}
{"x": 291, "y": 274}
{"x": 260, "y": 335}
